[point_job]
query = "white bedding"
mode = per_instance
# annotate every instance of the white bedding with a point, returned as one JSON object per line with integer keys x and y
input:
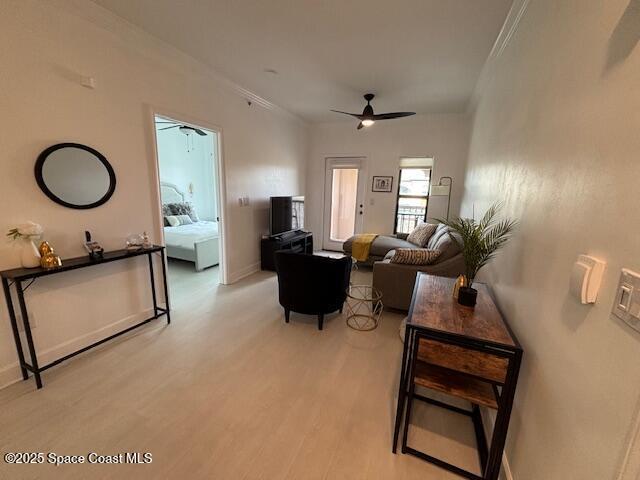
{"x": 186, "y": 236}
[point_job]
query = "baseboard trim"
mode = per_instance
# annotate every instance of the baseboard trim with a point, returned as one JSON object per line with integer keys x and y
{"x": 244, "y": 272}
{"x": 488, "y": 420}
{"x": 11, "y": 373}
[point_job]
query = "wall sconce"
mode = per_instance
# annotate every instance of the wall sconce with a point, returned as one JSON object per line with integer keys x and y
{"x": 442, "y": 190}
{"x": 190, "y": 188}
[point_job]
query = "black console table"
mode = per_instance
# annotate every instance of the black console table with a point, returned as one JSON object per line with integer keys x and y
{"x": 299, "y": 241}
{"x": 17, "y": 276}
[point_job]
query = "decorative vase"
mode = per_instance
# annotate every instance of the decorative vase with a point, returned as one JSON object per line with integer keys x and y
{"x": 467, "y": 296}
{"x": 29, "y": 256}
{"x": 461, "y": 281}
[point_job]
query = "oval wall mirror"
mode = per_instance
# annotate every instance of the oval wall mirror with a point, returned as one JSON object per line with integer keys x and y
{"x": 75, "y": 175}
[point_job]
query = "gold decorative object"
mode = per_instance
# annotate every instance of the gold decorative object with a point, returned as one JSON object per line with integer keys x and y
{"x": 461, "y": 281}
{"x": 48, "y": 258}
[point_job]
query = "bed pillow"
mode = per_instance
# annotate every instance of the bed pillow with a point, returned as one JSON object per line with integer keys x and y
{"x": 166, "y": 211}
{"x": 415, "y": 256}
{"x": 177, "y": 220}
{"x": 421, "y": 234}
{"x": 183, "y": 208}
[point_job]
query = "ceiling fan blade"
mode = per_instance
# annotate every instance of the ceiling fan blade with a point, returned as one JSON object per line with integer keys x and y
{"x": 167, "y": 128}
{"x": 390, "y": 115}
{"x": 360, "y": 125}
{"x": 200, "y": 132}
{"x": 356, "y": 115}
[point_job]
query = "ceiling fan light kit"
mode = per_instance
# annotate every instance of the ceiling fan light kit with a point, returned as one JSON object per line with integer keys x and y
{"x": 368, "y": 117}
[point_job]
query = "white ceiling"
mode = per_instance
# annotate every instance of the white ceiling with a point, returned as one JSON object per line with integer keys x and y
{"x": 417, "y": 55}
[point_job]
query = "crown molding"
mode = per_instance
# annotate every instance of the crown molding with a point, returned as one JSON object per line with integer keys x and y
{"x": 160, "y": 51}
{"x": 509, "y": 28}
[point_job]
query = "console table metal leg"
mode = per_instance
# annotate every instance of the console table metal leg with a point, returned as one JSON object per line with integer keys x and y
{"x": 153, "y": 286}
{"x": 502, "y": 419}
{"x": 27, "y": 331}
{"x": 166, "y": 289}
{"x": 402, "y": 388}
{"x": 409, "y": 375}
{"x": 14, "y": 327}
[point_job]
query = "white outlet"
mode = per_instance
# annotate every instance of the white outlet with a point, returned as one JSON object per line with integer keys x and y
{"x": 32, "y": 321}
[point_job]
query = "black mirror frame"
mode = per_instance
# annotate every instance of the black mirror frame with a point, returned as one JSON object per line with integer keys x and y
{"x": 41, "y": 183}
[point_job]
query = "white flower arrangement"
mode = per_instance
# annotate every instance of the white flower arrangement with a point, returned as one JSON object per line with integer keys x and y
{"x": 28, "y": 230}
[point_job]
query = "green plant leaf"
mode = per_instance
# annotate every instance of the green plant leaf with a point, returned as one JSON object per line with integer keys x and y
{"x": 481, "y": 240}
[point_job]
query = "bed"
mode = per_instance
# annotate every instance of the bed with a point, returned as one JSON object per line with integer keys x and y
{"x": 198, "y": 242}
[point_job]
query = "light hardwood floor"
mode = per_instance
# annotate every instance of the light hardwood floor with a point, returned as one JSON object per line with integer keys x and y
{"x": 229, "y": 391}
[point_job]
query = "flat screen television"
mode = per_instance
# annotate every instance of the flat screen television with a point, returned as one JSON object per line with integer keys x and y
{"x": 286, "y": 214}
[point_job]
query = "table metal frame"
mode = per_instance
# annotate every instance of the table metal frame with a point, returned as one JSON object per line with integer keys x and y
{"x": 490, "y": 459}
{"x": 17, "y": 282}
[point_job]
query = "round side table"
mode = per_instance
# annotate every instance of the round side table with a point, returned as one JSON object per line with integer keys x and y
{"x": 364, "y": 307}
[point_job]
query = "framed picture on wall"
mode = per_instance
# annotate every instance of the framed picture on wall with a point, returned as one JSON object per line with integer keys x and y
{"x": 382, "y": 184}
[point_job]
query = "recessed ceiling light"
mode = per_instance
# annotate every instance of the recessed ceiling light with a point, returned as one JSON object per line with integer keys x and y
{"x": 271, "y": 71}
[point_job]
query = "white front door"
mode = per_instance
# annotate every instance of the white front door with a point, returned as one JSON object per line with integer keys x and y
{"x": 343, "y": 200}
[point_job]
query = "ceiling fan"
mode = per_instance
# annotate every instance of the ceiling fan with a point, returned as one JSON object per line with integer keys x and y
{"x": 368, "y": 118}
{"x": 187, "y": 130}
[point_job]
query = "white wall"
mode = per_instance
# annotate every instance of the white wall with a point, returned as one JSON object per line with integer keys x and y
{"x": 443, "y": 137}
{"x": 186, "y": 161}
{"x": 45, "y": 47}
{"x": 556, "y": 135}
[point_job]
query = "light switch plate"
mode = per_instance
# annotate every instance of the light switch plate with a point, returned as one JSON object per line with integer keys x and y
{"x": 626, "y": 305}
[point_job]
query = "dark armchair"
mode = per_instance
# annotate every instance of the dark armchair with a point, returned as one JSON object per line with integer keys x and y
{"x": 312, "y": 284}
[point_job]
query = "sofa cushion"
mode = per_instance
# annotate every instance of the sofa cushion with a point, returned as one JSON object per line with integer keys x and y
{"x": 415, "y": 256}
{"x": 441, "y": 230}
{"x": 380, "y": 246}
{"x": 443, "y": 241}
{"x": 422, "y": 233}
{"x": 383, "y": 244}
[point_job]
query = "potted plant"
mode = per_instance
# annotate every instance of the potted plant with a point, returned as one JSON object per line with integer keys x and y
{"x": 480, "y": 242}
{"x": 27, "y": 232}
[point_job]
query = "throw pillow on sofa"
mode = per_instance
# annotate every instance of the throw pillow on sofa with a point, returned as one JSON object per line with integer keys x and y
{"x": 422, "y": 233}
{"x": 415, "y": 256}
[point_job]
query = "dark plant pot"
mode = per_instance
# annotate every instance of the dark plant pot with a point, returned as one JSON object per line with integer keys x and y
{"x": 467, "y": 296}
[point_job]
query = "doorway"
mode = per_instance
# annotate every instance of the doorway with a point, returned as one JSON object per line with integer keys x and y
{"x": 190, "y": 193}
{"x": 344, "y": 200}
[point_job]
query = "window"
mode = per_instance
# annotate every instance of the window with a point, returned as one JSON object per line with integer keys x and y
{"x": 413, "y": 193}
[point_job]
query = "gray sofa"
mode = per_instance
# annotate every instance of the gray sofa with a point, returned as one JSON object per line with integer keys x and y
{"x": 396, "y": 281}
{"x": 380, "y": 247}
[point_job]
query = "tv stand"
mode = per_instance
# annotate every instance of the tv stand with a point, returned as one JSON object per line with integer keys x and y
{"x": 298, "y": 241}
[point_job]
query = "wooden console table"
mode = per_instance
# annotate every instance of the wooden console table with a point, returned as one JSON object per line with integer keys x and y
{"x": 17, "y": 276}
{"x": 466, "y": 353}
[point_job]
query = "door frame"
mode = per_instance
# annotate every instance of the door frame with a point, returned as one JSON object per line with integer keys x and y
{"x": 221, "y": 180}
{"x": 349, "y": 161}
